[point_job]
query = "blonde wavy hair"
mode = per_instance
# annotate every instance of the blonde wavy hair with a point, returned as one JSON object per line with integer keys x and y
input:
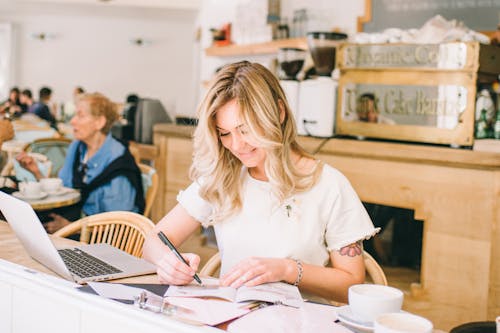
{"x": 261, "y": 99}
{"x": 100, "y": 105}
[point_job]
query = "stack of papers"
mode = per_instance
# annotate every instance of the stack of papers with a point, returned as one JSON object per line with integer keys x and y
{"x": 210, "y": 304}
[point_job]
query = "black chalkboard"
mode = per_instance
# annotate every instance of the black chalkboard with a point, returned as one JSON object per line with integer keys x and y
{"x": 479, "y": 15}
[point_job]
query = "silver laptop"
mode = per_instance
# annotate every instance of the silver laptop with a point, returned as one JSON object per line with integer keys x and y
{"x": 93, "y": 262}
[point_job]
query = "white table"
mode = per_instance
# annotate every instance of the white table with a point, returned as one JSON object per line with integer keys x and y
{"x": 34, "y": 300}
{"x": 70, "y": 197}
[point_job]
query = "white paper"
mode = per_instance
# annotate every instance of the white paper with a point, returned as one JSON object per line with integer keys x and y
{"x": 310, "y": 317}
{"x": 207, "y": 311}
{"x": 115, "y": 290}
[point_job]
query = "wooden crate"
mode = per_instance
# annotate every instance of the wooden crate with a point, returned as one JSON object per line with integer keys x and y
{"x": 423, "y": 93}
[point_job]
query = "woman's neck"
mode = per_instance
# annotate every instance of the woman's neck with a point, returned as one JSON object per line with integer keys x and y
{"x": 94, "y": 143}
{"x": 258, "y": 174}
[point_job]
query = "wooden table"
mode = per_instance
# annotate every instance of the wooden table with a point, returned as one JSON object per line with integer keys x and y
{"x": 53, "y": 201}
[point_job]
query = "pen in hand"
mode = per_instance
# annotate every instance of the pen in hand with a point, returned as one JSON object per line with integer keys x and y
{"x": 171, "y": 246}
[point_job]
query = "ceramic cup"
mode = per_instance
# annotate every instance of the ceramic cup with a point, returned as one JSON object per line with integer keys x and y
{"x": 368, "y": 301}
{"x": 498, "y": 324}
{"x": 30, "y": 189}
{"x": 51, "y": 185}
{"x": 401, "y": 322}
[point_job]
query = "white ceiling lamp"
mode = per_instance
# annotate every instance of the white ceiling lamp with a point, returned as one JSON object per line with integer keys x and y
{"x": 42, "y": 36}
{"x": 139, "y": 41}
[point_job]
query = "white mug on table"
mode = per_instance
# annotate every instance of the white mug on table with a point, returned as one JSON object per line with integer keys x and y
{"x": 368, "y": 301}
{"x": 402, "y": 322}
{"x": 51, "y": 185}
{"x": 30, "y": 189}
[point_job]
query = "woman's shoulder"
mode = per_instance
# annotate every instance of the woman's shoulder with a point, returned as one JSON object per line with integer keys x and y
{"x": 114, "y": 147}
{"x": 73, "y": 146}
{"x": 331, "y": 176}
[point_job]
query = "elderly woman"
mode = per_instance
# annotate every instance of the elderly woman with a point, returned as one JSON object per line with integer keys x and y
{"x": 101, "y": 167}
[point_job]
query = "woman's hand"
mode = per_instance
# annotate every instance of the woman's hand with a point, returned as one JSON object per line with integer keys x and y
{"x": 171, "y": 270}
{"x": 29, "y": 163}
{"x": 57, "y": 223}
{"x": 254, "y": 271}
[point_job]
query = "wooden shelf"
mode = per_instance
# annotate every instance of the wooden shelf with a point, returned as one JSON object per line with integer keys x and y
{"x": 255, "y": 49}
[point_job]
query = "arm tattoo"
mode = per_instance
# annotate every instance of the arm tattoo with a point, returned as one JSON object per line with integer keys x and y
{"x": 352, "y": 250}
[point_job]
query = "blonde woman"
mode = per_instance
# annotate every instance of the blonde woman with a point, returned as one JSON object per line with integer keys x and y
{"x": 97, "y": 164}
{"x": 278, "y": 214}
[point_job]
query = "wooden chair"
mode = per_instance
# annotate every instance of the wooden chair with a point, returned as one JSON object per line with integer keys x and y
{"x": 150, "y": 185}
{"x": 124, "y": 230}
{"x": 143, "y": 153}
{"x": 374, "y": 271}
{"x": 54, "y": 148}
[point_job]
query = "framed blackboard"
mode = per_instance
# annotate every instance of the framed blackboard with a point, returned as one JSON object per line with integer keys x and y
{"x": 479, "y": 15}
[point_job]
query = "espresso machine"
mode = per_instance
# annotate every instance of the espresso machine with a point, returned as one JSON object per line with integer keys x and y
{"x": 318, "y": 95}
{"x": 291, "y": 61}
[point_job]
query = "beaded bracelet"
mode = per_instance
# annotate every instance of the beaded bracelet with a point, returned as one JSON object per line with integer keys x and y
{"x": 300, "y": 271}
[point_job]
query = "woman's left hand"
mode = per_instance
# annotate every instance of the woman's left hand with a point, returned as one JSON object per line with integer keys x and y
{"x": 254, "y": 271}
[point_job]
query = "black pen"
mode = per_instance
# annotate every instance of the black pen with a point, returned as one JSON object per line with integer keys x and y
{"x": 171, "y": 246}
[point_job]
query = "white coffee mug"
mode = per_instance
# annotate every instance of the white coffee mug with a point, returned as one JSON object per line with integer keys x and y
{"x": 498, "y": 324}
{"x": 51, "y": 185}
{"x": 402, "y": 322}
{"x": 367, "y": 301}
{"x": 30, "y": 189}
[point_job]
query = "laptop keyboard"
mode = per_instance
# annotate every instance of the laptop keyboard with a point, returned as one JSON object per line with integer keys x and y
{"x": 84, "y": 265}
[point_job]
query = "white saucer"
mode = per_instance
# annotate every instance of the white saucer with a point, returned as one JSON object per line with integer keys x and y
{"x": 357, "y": 324}
{"x": 348, "y": 318}
{"x": 60, "y": 191}
{"x": 21, "y": 196}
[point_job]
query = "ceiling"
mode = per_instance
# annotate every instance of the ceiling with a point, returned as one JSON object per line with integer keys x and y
{"x": 165, "y": 4}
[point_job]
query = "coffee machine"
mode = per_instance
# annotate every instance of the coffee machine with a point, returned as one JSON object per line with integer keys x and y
{"x": 291, "y": 61}
{"x": 317, "y": 96}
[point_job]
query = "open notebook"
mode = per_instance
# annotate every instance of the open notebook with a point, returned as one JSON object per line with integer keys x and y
{"x": 93, "y": 262}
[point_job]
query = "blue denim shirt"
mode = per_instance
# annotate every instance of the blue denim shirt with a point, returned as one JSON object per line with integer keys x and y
{"x": 119, "y": 194}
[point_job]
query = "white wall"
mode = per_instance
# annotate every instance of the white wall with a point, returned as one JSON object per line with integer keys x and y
{"x": 5, "y": 59}
{"x": 89, "y": 45}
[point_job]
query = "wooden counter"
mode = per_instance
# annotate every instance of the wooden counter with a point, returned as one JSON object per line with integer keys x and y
{"x": 455, "y": 192}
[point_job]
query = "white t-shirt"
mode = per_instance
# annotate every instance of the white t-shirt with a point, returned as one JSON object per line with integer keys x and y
{"x": 307, "y": 226}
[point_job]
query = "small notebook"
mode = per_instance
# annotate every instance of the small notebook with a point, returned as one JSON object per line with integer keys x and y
{"x": 276, "y": 292}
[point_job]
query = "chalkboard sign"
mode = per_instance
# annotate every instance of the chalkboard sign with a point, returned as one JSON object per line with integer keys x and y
{"x": 479, "y": 15}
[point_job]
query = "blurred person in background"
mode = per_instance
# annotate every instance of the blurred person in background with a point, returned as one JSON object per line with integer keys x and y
{"x": 26, "y": 99}
{"x": 41, "y": 108}
{"x": 12, "y": 105}
{"x": 70, "y": 106}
